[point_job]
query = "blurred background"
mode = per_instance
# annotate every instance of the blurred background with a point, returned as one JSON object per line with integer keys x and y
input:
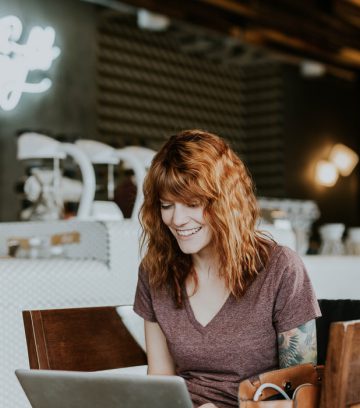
{"x": 277, "y": 79}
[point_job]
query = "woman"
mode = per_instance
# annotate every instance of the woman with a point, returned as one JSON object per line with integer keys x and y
{"x": 221, "y": 301}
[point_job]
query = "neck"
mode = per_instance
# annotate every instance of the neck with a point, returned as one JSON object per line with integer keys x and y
{"x": 205, "y": 264}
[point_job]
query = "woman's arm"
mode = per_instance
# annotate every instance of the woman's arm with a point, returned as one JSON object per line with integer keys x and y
{"x": 160, "y": 361}
{"x": 298, "y": 346}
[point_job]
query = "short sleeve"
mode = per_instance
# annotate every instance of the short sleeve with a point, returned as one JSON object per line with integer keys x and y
{"x": 295, "y": 302}
{"x": 143, "y": 301}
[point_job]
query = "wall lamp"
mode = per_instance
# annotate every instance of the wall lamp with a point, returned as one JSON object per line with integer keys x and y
{"x": 342, "y": 161}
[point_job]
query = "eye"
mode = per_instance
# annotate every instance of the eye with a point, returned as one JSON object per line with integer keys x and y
{"x": 194, "y": 204}
{"x": 165, "y": 206}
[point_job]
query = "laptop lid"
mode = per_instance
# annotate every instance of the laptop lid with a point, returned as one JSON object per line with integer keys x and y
{"x": 72, "y": 389}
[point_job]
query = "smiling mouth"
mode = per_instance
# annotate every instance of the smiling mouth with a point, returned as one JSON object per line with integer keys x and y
{"x": 188, "y": 232}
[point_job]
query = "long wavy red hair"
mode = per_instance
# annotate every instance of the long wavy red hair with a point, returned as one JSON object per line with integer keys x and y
{"x": 195, "y": 165}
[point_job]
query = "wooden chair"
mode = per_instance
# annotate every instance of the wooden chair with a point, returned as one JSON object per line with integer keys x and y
{"x": 80, "y": 339}
{"x": 341, "y": 386}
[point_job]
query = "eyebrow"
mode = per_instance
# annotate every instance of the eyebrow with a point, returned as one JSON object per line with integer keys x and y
{"x": 169, "y": 199}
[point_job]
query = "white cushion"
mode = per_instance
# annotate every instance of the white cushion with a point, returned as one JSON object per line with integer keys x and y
{"x": 134, "y": 323}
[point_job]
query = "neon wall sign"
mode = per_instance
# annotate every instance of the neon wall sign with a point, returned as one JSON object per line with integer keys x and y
{"x": 18, "y": 60}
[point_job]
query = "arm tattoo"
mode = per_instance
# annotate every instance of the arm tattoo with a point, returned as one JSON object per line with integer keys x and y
{"x": 298, "y": 346}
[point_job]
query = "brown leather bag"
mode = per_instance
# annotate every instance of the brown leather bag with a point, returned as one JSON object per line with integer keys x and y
{"x": 301, "y": 383}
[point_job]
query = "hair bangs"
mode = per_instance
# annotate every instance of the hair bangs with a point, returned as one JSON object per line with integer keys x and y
{"x": 178, "y": 185}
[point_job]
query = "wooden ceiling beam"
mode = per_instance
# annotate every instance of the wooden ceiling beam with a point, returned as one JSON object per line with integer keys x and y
{"x": 305, "y": 22}
{"x": 223, "y": 15}
{"x": 277, "y": 41}
{"x": 192, "y": 12}
{"x": 348, "y": 11}
{"x": 296, "y": 58}
{"x": 356, "y": 3}
{"x": 294, "y": 24}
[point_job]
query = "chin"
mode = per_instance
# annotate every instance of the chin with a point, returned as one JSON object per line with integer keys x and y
{"x": 188, "y": 251}
{"x": 193, "y": 246}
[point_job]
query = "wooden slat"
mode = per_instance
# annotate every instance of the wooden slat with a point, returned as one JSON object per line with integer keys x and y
{"x": 30, "y": 340}
{"x": 37, "y": 343}
{"x": 341, "y": 386}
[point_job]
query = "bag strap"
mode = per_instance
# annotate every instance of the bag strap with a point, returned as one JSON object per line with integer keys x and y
{"x": 262, "y": 387}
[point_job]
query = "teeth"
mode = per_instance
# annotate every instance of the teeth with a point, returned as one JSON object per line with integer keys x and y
{"x": 186, "y": 233}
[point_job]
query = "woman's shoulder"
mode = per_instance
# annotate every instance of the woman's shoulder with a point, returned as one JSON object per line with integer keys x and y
{"x": 282, "y": 257}
{"x": 142, "y": 272}
{"x": 283, "y": 251}
{"x": 146, "y": 281}
{"x": 144, "y": 277}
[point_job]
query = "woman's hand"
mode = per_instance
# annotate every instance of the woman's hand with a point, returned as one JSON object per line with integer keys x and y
{"x": 208, "y": 405}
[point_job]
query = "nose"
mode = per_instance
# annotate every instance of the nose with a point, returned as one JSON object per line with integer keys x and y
{"x": 180, "y": 215}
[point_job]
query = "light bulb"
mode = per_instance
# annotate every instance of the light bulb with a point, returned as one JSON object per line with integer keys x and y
{"x": 326, "y": 173}
{"x": 344, "y": 159}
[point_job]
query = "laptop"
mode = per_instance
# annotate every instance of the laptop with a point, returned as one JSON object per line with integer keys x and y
{"x": 73, "y": 389}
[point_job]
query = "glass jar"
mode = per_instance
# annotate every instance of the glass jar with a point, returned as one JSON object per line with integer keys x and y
{"x": 353, "y": 241}
{"x": 331, "y": 238}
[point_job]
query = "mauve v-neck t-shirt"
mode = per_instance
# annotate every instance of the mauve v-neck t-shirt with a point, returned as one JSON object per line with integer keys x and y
{"x": 241, "y": 339}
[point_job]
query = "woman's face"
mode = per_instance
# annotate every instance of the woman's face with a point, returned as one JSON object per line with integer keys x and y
{"x": 187, "y": 224}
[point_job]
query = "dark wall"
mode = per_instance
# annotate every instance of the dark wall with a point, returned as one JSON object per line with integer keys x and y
{"x": 320, "y": 112}
{"x": 65, "y": 109}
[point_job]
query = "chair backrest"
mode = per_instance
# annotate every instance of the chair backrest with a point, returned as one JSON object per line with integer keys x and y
{"x": 80, "y": 339}
{"x": 341, "y": 386}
